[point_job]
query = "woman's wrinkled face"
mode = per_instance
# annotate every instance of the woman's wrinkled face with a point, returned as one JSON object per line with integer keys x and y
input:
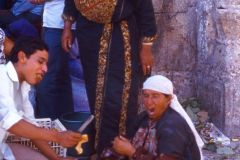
{"x": 155, "y": 103}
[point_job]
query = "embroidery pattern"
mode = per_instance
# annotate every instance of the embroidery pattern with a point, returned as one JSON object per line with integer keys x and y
{"x": 102, "y": 60}
{"x": 127, "y": 77}
{"x": 99, "y": 11}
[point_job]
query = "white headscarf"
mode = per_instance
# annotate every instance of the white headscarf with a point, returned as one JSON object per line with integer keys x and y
{"x": 164, "y": 85}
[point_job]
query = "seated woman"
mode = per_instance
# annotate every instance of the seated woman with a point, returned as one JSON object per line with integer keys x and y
{"x": 164, "y": 131}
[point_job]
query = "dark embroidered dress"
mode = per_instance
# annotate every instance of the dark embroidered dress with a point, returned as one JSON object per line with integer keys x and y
{"x": 109, "y": 34}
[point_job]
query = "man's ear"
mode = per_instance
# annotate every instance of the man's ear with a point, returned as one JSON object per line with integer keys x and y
{"x": 22, "y": 57}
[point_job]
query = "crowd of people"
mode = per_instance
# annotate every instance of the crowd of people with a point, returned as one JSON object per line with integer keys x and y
{"x": 115, "y": 39}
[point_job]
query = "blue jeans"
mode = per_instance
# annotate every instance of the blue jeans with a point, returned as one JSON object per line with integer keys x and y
{"x": 54, "y": 93}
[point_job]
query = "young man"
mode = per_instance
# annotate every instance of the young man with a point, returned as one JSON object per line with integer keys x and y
{"x": 26, "y": 66}
{"x": 164, "y": 131}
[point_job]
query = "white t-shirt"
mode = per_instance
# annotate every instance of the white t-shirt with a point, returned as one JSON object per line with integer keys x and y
{"x": 52, "y": 14}
{"x": 14, "y": 104}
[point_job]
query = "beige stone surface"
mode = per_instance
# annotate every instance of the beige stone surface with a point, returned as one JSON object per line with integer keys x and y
{"x": 218, "y": 62}
{"x": 198, "y": 47}
{"x": 175, "y": 47}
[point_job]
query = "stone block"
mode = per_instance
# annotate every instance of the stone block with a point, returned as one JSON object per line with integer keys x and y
{"x": 212, "y": 98}
{"x": 232, "y": 109}
{"x": 173, "y": 6}
{"x": 227, "y": 3}
{"x": 228, "y": 23}
{"x": 198, "y": 48}
{"x": 157, "y": 5}
{"x": 175, "y": 47}
{"x": 184, "y": 84}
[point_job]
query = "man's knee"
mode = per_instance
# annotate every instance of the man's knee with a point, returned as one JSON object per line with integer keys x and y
{"x": 21, "y": 152}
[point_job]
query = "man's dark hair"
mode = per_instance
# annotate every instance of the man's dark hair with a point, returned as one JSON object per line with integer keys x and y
{"x": 28, "y": 45}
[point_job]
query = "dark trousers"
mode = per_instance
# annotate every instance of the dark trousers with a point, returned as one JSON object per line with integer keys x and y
{"x": 7, "y": 17}
{"x": 54, "y": 93}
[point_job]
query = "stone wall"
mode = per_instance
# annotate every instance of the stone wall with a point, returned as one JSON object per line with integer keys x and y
{"x": 175, "y": 47}
{"x": 218, "y": 67}
{"x": 198, "y": 49}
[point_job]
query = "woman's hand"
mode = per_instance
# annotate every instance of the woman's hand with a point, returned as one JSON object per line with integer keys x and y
{"x": 123, "y": 146}
{"x": 146, "y": 58}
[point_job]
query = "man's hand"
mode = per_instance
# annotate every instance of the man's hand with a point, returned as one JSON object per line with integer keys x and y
{"x": 67, "y": 36}
{"x": 37, "y": 1}
{"x": 146, "y": 58}
{"x": 68, "y": 138}
{"x": 65, "y": 138}
{"x": 123, "y": 146}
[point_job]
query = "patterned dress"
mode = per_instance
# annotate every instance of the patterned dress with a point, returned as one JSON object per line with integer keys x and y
{"x": 169, "y": 138}
{"x": 109, "y": 34}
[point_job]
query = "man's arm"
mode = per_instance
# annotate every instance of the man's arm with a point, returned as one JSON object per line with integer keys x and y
{"x": 67, "y": 35}
{"x": 70, "y": 14}
{"x": 21, "y": 7}
{"x": 46, "y": 150}
{"x": 38, "y": 1}
{"x": 25, "y": 129}
{"x": 146, "y": 22}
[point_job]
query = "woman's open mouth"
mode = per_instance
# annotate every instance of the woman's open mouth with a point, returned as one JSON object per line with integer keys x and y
{"x": 151, "y": 111}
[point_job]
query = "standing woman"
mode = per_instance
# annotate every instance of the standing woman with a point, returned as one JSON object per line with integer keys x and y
{"x": 115, "y": 37}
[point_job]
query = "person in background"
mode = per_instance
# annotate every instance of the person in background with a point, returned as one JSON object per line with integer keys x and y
{"x": 14, "y": 30}
{"x": 54, "y": 93}
{"x": 3, "y": 4}
{"x": 163, "y": 131}
{"x": 27, "y": 66}
{"x": 114, "y": 38}
{"x": 22, "y": 9}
